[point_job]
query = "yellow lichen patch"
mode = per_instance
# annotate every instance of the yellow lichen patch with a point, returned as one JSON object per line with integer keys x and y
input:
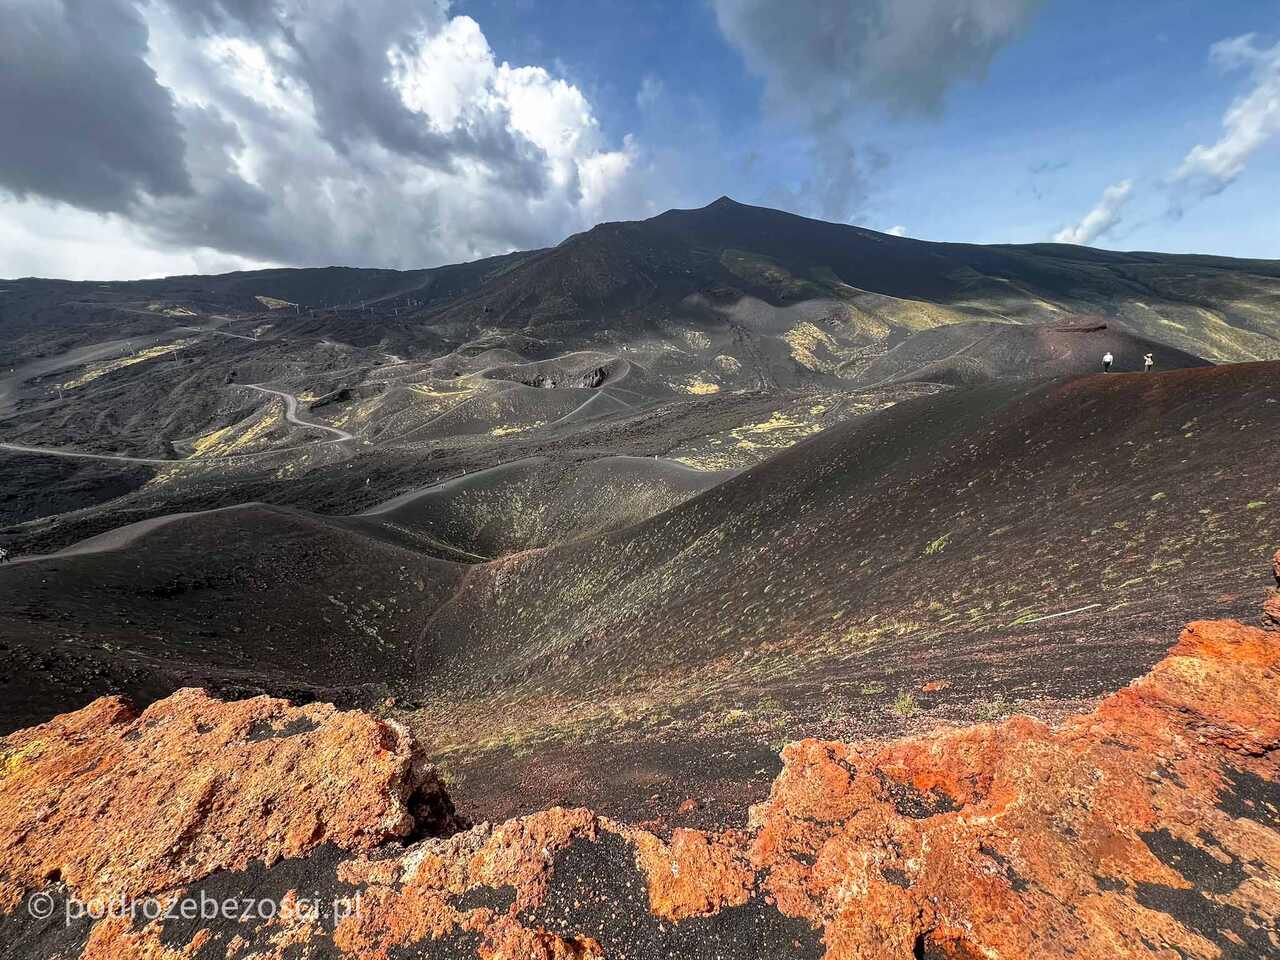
{"x": 235, "y": 438}
{"x": 765, "y": 272}
{"x": 12, "y": 762}
{"x": 272, "y": 303}
{"x": 211, "y": 442}
{"x": 780, "y": 430}
{"x": 806, "y": 342}
{"x": 752, "y": 442}
{"x": 710, "y": 461}
{"x": 516, "y": 428}
{"x": 428, "y": 390}
{"x": 361, "y": 413}
{"x": 171, "y": 311}
{"x": 94, "y": 371}
{"x": 869, "y": 633}
{"x": 165, "y": 475}
{"x": 698, "y": 385}
{"x": 875, "y": 314}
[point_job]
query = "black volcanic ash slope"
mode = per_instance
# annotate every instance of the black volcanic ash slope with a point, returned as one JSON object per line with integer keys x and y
{"x": 696, "y": 266}
{"x": 917, "y": 543}
{"x": 242, "y": 600}
{"x": 922, "y": 542}
{"x": 984, "y": 352}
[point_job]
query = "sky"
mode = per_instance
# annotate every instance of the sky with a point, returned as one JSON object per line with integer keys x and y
{"x": 156, "y": 137}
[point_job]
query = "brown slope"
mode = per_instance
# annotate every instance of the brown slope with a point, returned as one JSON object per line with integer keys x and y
{"x": 1018, "y": 544}
{"x": 852, "y": 516}
{"x": 334, "y": 605}
{"x": 539, "y": 502}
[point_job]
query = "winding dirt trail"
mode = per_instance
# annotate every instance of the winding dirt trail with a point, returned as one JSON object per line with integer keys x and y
{"x": 290, "y": 414}
{"x": 81, "y": 455}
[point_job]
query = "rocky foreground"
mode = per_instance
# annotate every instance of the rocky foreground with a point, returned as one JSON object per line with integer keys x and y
{"x": 1149, "y": 827}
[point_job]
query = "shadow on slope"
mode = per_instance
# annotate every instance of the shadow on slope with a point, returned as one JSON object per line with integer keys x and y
{"x": 538, "y": 502}
{"x": 252, "y": 598}
{"x": 242, "y": 600}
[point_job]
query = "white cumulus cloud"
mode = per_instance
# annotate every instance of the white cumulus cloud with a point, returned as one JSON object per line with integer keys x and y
{"x": 1250, "y": 121}
{"x": 1102, "y": 218}
{"x": 304, "y": 132}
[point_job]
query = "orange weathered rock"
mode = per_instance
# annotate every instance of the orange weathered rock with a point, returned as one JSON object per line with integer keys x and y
{"x": 696, "y": 873}
{"x": 1021, "y": 840}
{"x": 113, "y": 802}
{"x": 1146, "y": 828}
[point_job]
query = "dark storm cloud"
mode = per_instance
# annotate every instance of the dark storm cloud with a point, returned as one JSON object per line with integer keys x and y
{"x": 84, "y": 119}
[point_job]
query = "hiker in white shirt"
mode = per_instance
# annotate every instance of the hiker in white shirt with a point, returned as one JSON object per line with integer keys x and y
{"x": 1107, "y": 360}
{"x": 1148, "y": 361}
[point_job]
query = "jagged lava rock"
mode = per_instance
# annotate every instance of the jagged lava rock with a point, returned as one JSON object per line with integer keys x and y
{"x": 113, "y": 802}
{"x": 1146, "y": 828}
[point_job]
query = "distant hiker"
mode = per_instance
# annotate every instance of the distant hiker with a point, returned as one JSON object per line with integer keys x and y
{"x": 1148, "y": 361}
{"x": 4, "y": 555}
{"x": 1107, "y": 360}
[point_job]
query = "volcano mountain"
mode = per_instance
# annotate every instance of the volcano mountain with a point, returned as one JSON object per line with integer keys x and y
{"x": 605, "y": 522}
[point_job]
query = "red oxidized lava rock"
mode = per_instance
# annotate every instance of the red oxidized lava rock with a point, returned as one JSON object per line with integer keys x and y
{"x": 695, "y": 874}
{"x": 114, "y": 802}
{"x": 1147, "y": 828}
{"x": 1108, "y": 837}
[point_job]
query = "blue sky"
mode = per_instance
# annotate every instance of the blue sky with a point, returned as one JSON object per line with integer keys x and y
{"x": 1092, "y": 92}
{"x": 167, "y": 136}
